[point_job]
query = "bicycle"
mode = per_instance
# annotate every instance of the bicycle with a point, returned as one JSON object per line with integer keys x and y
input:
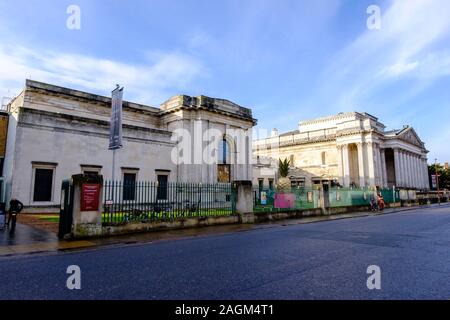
{"x": 15, "y": 207}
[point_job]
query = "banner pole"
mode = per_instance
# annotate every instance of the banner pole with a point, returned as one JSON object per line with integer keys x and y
{"x": 115, "y": 135}
{"x": 114, "y": 165}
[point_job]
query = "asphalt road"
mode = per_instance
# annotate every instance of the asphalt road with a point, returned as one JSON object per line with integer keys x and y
{"x": 326, "y": 260}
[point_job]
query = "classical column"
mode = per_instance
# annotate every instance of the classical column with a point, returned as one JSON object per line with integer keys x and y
{"x": 362, "y": 175}
{"x": 403, "y": 169}
{"x": 371, "y": 164}
{"x": 414, "y": 171}
{"x": 423, "y": 173}
{"x": 340, "y": 165}
{"x": 379, "y": 175}
{"x": 418, "y": 172}
{"x": 383, "y": 168}
{"x": 408, "y": 170}
{"x": 411, "y": 172}
{"x": 397, "y": 164}
{"x": 345, "y": 159}
{"x": 425, "y": 168}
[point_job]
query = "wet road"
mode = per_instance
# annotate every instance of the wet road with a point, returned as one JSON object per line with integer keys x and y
{"x": 25, "y": 234}
{"x": 326, "y": 260}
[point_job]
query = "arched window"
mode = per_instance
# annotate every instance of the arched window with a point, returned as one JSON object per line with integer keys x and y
{"x": 224, "y": 162}
{"x": 224, "y": 152}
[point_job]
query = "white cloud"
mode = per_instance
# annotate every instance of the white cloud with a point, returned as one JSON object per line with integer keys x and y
{"x": 408, "y": 45}
{"x": 399, "y": 69}
{"x": 152, "y": 82}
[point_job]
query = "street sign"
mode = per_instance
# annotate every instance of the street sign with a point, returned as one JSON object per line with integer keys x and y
{"x": 90, "y": 197}
{"x": 263, "y": 198}
{"x": 115, "y": 135}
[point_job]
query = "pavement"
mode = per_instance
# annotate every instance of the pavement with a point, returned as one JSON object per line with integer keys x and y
{"x": 31, "y": 240}
{"x": 326, "y": 260}
{"x": 36, "y": 240}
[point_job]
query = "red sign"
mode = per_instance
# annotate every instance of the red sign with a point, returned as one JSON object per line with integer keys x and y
{"x": 89, "y": 197}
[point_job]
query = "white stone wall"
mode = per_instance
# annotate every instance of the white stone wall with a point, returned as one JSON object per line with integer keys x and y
{"x": 355, "y": 145}
{"x": 70, "y": 150}
{"x": 67, "y": 129}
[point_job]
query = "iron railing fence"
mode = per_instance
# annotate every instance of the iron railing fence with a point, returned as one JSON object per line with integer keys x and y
{"x": 296, "y": 199}
{"x": 309, "y": 198}
{"x": 426, "y": 197}
{"x": 143, "y": 201}
{"x": 346, "y": 197}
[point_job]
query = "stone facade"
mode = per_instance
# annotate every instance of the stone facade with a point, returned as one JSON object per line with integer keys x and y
{"x": 265, "y": 172}
{"x": 350, "y": 149}
{"x": 67, "y": 131}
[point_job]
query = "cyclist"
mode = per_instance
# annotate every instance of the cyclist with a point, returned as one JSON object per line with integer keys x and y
{"x": 15, "y": 207}
{"x": 373, "y": 203}
{"x": 381, "y": 203}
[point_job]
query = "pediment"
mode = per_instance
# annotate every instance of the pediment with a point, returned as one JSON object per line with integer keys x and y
{"x": 411, "y": 137}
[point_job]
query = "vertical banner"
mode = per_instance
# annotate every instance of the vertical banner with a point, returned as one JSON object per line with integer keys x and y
{"x": 433, "y": 181}
{"x": 115, "y": 135}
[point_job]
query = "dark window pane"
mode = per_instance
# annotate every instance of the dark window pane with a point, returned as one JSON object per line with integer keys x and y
{"x": 224, "y": 152}
{"x": 129, "y": 186}
{"x": 91, "y": 173}
{"x": 43, "y": 180}
{"x": 2, "y": 161}
{"x": 162, "y": 187}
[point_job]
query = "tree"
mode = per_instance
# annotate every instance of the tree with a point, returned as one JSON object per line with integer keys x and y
{"x": 443, "y": 175}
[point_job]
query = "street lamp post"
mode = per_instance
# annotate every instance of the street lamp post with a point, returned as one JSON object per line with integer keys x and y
{"x": 437, "y": 180}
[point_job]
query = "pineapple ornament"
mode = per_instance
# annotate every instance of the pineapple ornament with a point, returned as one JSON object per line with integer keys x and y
{"x": 284, "y": 183}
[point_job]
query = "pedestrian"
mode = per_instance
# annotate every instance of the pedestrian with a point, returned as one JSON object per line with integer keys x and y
{"x": 381, "y": 203}
{"x": 15, "y": 207}
{"x": 373, "y": 203}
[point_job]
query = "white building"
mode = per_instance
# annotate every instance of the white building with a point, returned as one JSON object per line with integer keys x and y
{"x": 56, "y": 132}
{"x": 265, "y": 172}
{"x": 350, "y": 149}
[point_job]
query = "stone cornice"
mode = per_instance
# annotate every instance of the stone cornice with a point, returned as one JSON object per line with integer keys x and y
{"x": 205, "y": 102}
{"x": 203, "y": 108}
{"x": 297, "y": 142}
{"x": 328, "y": 118}
{"x": 56, "y": 91}
{"x": 102, "y": 123}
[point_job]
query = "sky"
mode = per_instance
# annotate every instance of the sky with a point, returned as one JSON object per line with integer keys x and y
{"x": 286, "y": 60}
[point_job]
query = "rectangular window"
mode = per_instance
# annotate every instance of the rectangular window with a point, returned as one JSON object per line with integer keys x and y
{"x": 260, "y": 184}
{"x": 129, "y": 186}
{"x": 43, "y": 185}
{"x": 91, "y": 173}
{"x": 162, "y": 187}
{"x": 271, "y": 184}
{"x": 91, "y": 170}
